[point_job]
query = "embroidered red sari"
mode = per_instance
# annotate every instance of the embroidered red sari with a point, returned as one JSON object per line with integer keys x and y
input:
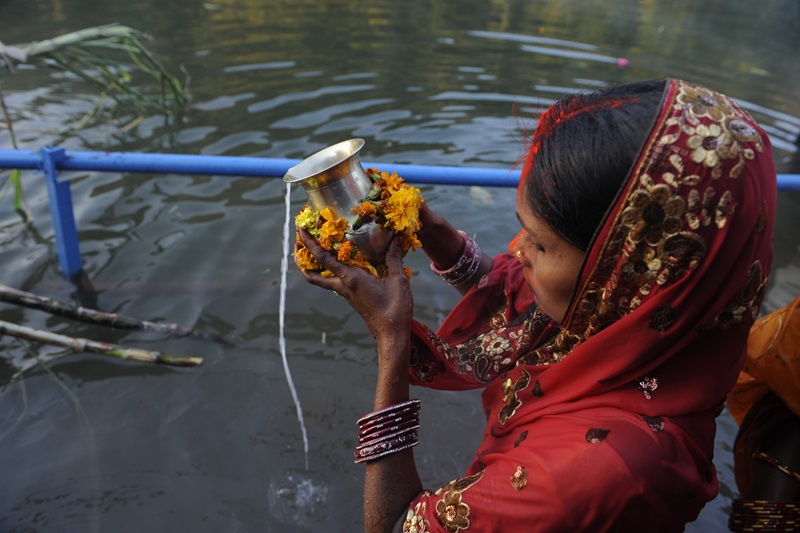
{"x": 607, "y": 421}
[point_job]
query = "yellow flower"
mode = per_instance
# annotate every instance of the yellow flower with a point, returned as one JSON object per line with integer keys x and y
{"x": 401, "y": 209}
{"x": 306, "y": 219}
{"x": 392, "y": 182}
{"x": 333, "y": 229}
{"x": 305, "y": 260}
{"x": 410, "y": 241}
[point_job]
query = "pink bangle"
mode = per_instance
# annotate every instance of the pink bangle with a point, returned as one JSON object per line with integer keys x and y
{"x": 466, "y": 266}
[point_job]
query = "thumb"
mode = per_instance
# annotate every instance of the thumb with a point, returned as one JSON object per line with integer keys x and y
{"x": 394, "y": 257}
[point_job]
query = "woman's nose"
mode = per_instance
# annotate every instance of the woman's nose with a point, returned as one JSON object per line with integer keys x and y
{"x": 514, "y": 247}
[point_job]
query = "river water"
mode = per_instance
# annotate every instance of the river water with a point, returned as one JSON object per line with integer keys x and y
{"x": 92, "y": 444}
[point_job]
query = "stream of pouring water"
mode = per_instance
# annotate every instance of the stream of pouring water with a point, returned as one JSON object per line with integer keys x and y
{"x": 281, "y": 321}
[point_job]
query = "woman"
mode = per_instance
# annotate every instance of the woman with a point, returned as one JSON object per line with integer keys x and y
{"x": 766, "y": 403}
{"x": 605, "y": 341}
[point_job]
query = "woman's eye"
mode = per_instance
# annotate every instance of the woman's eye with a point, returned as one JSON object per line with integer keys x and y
{"x": 533, "y": 244}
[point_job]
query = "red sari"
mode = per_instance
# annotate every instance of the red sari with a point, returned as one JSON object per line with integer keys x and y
{"x": 607, "y": 421}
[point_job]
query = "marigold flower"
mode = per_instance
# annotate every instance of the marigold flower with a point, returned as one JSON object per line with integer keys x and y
{"x": 393, "y": 182}
{"x": 305, "y": 260}
{"x": 398, "y": 210}
{"x": 411, "y": 241}
{"x": 401, "y": 209}
{"x": 367, "y": 210}
{"x": 345, "y": 251}
{"x": 306, "y": 219}
{"x": 333, "y": 229}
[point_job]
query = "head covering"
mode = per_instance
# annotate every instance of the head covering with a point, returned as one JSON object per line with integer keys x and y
{"x": 608, "y": 419}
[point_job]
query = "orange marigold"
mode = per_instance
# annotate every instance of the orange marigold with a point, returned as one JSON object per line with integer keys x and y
{"x": 305, "y": 260}
{"x": 345, "y": 251}
{"x": 366, "y": 210}
{"x": 392, "y": 182}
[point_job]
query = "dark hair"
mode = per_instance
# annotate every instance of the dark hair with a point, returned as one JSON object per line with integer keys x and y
{"x": 582, "y": 152}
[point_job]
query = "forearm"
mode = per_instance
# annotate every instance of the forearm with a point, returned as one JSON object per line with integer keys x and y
{"x": 444, "y": 246}
{"x": 390, "y": 482}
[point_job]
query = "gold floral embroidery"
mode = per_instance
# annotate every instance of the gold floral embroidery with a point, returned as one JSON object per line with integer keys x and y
{"x": 488, "y": 355}
{"x": 595, "y": 435}
{"x": 706, "y": 144}
{"x": 415, "y": 520}
{"x": 652, "y": 213}
{"x": 702, "y": 103}
{"x": 724, "y": 209}
{"x": 485, "y": 356}
{"x": 519, "y": 479}
{"x": 451, "y": 512}
{"x": 510, "y": 397}
{"x": 522, "y": 437}
{"x": 741, "y": 132}
{"x": 642, "y": 267}
{"x": 680, "y": 253}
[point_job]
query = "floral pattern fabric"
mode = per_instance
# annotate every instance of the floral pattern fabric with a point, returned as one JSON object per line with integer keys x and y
{"x": 606, "y": 421}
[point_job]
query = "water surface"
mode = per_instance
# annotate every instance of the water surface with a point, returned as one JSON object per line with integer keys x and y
{"x": 92, "y": 444}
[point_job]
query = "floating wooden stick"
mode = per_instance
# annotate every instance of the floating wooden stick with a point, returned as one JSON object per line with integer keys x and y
{"x": 103, "y": 348}
{"x": 114, "y": 320}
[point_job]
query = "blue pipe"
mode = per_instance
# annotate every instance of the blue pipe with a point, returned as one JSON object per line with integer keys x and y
{"x": 270, "y": 168}
{"x": 52, "y": 159}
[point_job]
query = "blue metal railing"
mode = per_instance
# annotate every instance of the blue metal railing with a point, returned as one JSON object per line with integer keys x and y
{"x": 52, "y": 159}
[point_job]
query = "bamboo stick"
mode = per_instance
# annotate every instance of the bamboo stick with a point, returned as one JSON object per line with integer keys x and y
{"x": 103, "y": 348}
{"x": 93, "y": 316}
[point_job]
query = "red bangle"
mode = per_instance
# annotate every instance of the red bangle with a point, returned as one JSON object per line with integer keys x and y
{"x": 388, "y": 430}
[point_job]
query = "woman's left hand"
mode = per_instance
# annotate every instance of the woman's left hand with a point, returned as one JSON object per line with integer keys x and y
{"x": 386, "y": 304}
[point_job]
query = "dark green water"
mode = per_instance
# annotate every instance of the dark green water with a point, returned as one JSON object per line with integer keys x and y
{"x": 91, "y": 444}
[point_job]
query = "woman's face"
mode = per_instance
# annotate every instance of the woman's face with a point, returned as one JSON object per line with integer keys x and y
{"x": 551, "y": 263}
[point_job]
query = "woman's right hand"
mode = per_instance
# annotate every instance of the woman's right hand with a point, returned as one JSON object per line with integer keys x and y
{"x": 385, "y": 304}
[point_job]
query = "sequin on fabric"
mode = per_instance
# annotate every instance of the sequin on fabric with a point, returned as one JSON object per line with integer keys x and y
{"x": 519, "y": 479}
{"x": 595, "y": 435}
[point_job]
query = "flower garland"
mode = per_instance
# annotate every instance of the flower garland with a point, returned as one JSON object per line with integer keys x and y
{"x": 390, "y": 202}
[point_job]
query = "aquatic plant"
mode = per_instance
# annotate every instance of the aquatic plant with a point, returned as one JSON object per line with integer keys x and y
{"x": 109, "y": 58}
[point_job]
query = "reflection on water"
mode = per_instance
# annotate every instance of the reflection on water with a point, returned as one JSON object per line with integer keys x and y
{"x": 100, "y": 443}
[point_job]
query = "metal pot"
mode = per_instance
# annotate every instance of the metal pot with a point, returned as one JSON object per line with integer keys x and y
{"x": 334, "y": 178}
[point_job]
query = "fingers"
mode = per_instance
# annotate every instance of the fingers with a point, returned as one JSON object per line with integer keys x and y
{"x": 325, "y": 258}
{"x": 394, "y": 257}
{"x": 312, "y": 276}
